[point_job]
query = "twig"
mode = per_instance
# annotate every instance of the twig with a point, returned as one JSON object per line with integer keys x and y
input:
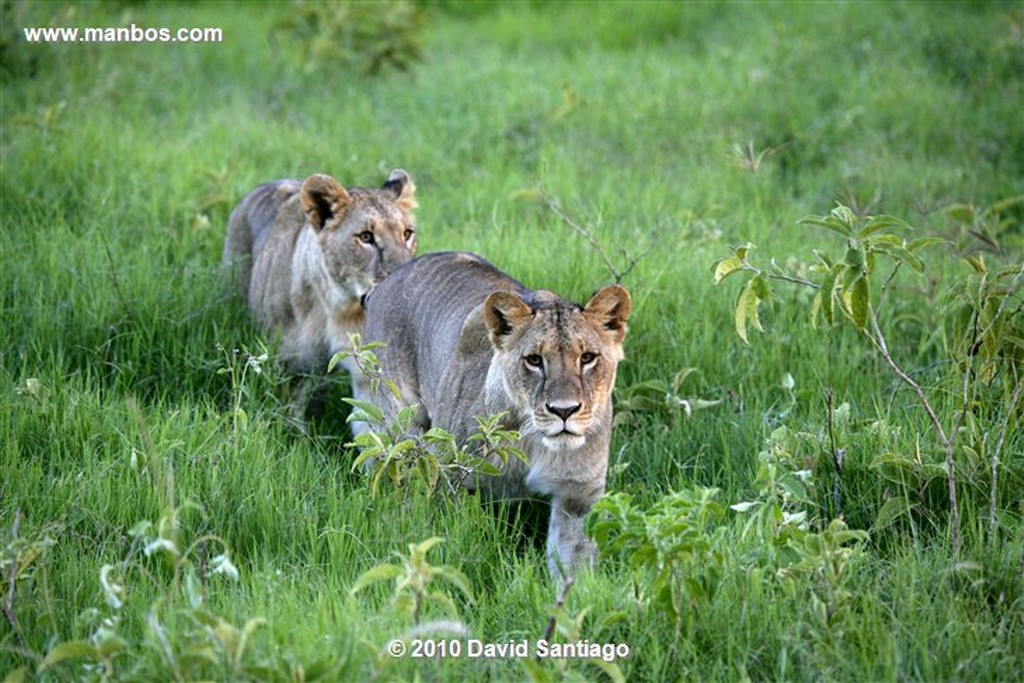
{"x": 999, "y": 311}
{"x": 976, "y": 342}
{"x": 556, "y": 208}
{"x": 12, "y": 576}
{"x": 202, "y": 566}
{"x": 878, "y": 339}
{"x": 792, "y": 279}
{"x": 837, "y": 456}
{"x": 553, "y": 619}
{"x": 116, "y": 285}
{"x": 885, "y": 285}
{"x": 993, "y": 517}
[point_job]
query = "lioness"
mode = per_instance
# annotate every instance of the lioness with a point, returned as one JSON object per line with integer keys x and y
{"x": 464, "y": 340}
{"x": 304, "y": 254}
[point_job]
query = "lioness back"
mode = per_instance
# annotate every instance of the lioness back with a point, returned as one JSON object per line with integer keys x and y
{"x": 270, "y": 204}
{"x": 304, "y": 253}
{"x": 429, "y": 301}
{"x": 462, "y": 340}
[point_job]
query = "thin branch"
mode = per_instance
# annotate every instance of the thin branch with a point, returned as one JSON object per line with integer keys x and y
{"x": 999, "y": 312}
{"x": 115, "y": 283}
{"x": 12, "y": 576}
{"x": 556, "y": 208}
{"x": 1014, "y": 400}
{"x": 792, "y": 279}
{"x": 885, "y": 285}
{"x": 965, "y": 397}
{"x": 878, "y": 339}
{"x": 549, "y": 632}
{"x": 837, "y": 456}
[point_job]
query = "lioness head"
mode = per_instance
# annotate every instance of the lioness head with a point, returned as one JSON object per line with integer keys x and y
{"x": 558, "y": 360}
{"x": 363, "y": 234}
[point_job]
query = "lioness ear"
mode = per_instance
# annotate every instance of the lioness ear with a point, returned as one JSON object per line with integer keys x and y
{"x": 609, "y": 309}
{"x": 322, "y": 197}
{"x": 504, "y": 313}
{"x": 400, "y": 184}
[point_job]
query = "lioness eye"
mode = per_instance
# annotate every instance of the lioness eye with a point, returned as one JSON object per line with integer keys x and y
{"x": 534, "y": 360}
{"x": 366, "y": 237}
{"x": 588, "y": 358}
{"x": 408, "y": 235}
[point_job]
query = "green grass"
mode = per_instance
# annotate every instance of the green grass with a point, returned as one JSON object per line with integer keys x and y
{"x": 121, "y": 163}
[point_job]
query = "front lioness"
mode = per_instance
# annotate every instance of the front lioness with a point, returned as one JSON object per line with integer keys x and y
{"x": 305, "y": 254}
{"x": 464, "y": 340}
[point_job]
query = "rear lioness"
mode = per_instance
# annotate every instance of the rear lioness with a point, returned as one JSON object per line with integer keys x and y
{"x": 464, "y": 340}
{"x": 304, "y": 254}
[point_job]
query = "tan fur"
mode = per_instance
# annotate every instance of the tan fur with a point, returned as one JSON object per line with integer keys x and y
{"x": 304, "y": 254}
{"x": 464, "y": 340}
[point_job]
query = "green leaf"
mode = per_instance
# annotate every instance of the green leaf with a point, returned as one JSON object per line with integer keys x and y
{"x": 962, "y": 213}
{"x": 746, "y": 310}
{"x": 886, "y": 239}
{"x": 382, "y": 572}
{"x": 828, "y": 286}
{"x": 364, "y": 411}
{"x": 486, "y": 469}
{"x": 247, "y": 631}
{"x": 422, "y": 548}
{"x": 611, "y": 669}
{"x": 816, "y": 309}
{"x": 727, "y": 267}
{"x": 762, "y": 290}
{"x": 823, "y": 257}
{"x": 977, "y": 264}
{"x": 891, "y": 512}
{"x": 460, "y": 580}
{"x": 17, "y": 675}
{"x": 1003, "y": 205}
{"x": 855, "y": 255}
{"x": 860, "y": 304}
{"x": 924, "y": 243}
{"x": 72, "y": 649}
{"x": 364, "y": 455}
{"x": 829, "y": 223}
{"x": 844, "y": 214}
{"x": 441, "y": 598}
{"x": 902, "y": 255}
{"x": 337, "y": 358}
{"x": 877, "y": 223}
{"x": 535, "y": 672}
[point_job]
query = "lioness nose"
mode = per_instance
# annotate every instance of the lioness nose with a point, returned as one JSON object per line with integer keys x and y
{"x": 564, "y": 412}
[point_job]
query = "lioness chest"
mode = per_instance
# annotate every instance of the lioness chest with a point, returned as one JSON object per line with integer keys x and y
{"x": 462, "y": 341}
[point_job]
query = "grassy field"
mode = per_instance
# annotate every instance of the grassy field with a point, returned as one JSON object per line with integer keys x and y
{"x": 162, "y": 517}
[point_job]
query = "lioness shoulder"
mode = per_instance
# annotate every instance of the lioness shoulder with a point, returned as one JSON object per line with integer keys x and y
{"x": 304, "y": 253}
{"x": 462, "y": 339}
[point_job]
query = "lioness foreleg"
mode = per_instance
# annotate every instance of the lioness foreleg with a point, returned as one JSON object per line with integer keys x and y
{"x": 568, "y": 547}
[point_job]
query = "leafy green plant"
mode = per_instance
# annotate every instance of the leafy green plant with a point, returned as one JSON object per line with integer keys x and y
{"x": 569, "y": 628}
{"x": 403, "y": 453}
{"x": 369, "y": 37}
{"x": 852, "y": 288}
{"x": 413, "y": 577}
{"x": 239, "y": 365}
{"x": 675, "y": 545}
{"x": 209, "y": 642}
{"x": 658, "y": 397}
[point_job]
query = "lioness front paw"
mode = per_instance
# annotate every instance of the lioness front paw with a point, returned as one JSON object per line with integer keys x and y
{"x": 580, "y": 556}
